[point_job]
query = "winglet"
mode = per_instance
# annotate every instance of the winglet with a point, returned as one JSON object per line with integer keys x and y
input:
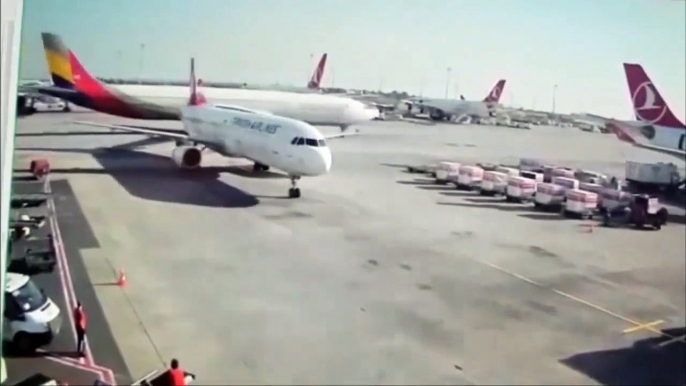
{"x": 318, "y": 74}
{"x": 496, "y": 92}
{"x": 196, "y": 98}
{"x": 649, "y": 106}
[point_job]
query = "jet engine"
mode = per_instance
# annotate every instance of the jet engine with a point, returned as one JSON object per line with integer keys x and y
{"x": 187, "y": 157}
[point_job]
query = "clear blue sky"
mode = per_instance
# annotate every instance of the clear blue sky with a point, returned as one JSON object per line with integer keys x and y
{"x": 404, "y": 45}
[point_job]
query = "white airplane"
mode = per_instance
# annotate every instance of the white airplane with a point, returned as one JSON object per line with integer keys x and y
{"x": 656, "y": 127}
{"x": 287, "y": 144}
{"x": 440, "y": 109}
{"x": 74, "y": 84}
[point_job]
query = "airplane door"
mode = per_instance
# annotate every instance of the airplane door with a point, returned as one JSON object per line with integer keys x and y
{"x": 681, "y": 142}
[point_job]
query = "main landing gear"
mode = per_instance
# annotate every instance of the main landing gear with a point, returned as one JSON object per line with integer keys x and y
{"x": 344, "y": 128}
{"x": 294, "y": 191}
{"x": 258, "y": 167}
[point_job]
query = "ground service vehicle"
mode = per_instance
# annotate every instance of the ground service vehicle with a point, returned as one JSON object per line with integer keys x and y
{"x": 31, "y": 319}
{"x": 642, "y": 210}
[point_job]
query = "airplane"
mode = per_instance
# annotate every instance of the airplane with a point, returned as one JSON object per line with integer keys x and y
{"x": 440, "y": 109}
{"x": 73, "y": 83}
{"x": 287, "y": 144}
{"x": 656, "y": 127}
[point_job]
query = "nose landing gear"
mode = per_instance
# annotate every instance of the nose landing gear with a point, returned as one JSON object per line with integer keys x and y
{"x": 294, "y": 191}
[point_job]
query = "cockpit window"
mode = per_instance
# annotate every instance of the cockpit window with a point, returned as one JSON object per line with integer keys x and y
{"x": 294, "y": 141}
{"x": 311, "y": 142}
{"x": 322, "y": 143}
{"x": 301, "y": 141}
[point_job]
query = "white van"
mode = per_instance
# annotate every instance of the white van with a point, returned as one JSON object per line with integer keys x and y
{"x": 30, "y": 319}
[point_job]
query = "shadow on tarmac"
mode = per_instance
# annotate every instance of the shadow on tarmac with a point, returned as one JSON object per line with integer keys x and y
{"x": 154, "y": 177}
{"x": 644, "y": 363}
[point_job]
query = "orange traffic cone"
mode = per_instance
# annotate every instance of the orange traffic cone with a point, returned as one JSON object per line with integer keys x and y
{"x": 121, "y": 281}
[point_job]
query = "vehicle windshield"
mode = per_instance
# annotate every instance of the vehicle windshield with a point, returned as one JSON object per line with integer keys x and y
{"x": 29, "y": 298}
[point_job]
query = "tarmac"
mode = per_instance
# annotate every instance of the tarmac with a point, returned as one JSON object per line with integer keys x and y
{"x": 373, "y": 276}
{"x": 59, "y": 360}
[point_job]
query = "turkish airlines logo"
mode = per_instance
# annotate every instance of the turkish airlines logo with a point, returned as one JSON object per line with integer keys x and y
{"x": 646, "y": 104}
{"x": 495, "y": 94}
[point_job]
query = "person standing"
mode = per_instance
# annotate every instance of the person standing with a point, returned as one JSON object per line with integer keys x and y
{"x": 80, "y": 325}
{"x": 178, "y": 376}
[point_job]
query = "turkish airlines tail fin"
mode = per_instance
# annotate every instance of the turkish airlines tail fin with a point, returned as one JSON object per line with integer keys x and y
{"x": 196, "y": 98}
{"x": 649, "y": 106}
{"x": 496, "y": 92}
{"x": 316, "y": 79}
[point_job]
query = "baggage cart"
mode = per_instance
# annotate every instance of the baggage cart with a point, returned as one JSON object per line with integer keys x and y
{"x": 493, "y": 183}
{"x": 549, "y": 196}
{"x": 444, "y": 169}
{"x": 580, "y": 203}
{"x": 469, "y": 177}
{"x": 520, "y": 189}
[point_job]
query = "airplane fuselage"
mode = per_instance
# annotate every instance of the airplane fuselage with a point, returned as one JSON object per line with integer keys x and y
{"x": 165, "y": 103}
{"x": 261, "y": 137}
{"x": 660, "y": 136}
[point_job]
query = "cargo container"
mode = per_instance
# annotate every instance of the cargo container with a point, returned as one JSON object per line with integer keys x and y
{"x": 581, "y": 203}
{"x": 469, "y": 177}
{"x": 520, "y": 189}
{"x": 445, "y": 168}
{"x": 549, "y": 195}
{"x": 493, "y": 183}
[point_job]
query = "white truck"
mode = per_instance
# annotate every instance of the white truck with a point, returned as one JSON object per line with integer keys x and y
{"x": 30, "y": 319}
{"x": 652, "y": 175}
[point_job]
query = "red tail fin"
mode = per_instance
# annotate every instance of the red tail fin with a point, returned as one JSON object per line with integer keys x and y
{"x": 316, "y": 79}
{"x": 649, "y": 107}
{"x": 197, "y": 98}
{"x": 494, "y": 95}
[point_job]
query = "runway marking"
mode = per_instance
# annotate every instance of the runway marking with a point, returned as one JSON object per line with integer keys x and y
{"x": 675, "y": 339}
{"x": 642, "y": 327}
{"x": 645, "y": 326}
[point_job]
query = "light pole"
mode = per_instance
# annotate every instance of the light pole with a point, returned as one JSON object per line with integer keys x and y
{"x": 140, "y": 65}
{"x": 447, "y": 81}
{"x": 118, "y": 70}
{"x": 554, "y": 94}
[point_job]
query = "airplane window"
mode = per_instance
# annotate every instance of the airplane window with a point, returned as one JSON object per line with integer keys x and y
{"x": 322, "y": 143}
{"x": 311, "y": 142}
{"x": 301, "y": 141}
{"x": 294, "y": 141}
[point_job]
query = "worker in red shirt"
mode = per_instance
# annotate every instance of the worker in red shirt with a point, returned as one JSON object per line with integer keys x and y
{"x": 178, "y": 376}
{"x": 80, "y": 325}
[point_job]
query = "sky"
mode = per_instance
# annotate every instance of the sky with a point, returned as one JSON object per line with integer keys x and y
{"x": 402, "y": 45}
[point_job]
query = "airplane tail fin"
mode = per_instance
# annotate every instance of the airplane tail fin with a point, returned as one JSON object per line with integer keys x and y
{"x": 65, "y": 69}
{"x": 316, "y": 79}
{"x": 196, "y": 98}
{"x": 649, "y": 106}
{"x": 494, "y": 95}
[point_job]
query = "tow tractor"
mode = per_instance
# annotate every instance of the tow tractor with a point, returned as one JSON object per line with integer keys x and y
{"x": 641, "y": 210}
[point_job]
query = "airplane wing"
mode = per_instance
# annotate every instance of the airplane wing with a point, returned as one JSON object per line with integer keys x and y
{"x": 153, "y": 132}
{"x": 631, "y": 135}
{"x": 341, "y": 135}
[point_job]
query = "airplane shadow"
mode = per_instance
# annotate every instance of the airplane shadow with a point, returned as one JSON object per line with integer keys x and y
{"x": 643, "y": 363}
{"x": 155, "y": 177}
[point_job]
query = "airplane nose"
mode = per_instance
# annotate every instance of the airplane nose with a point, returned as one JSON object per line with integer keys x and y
{"x": 325, "y": 161}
